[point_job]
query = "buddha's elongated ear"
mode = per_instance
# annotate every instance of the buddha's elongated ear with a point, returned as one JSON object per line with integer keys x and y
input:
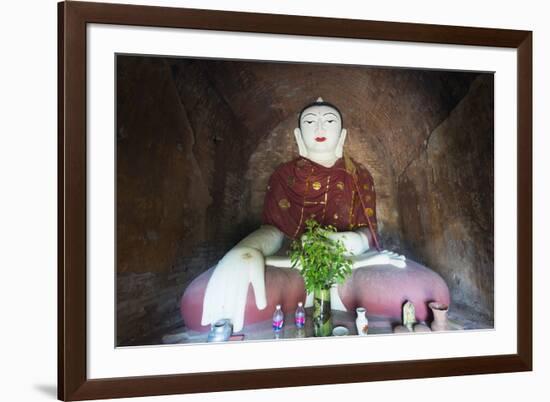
{"x": 339, "y": 151}
{"x": 300, "y": 141}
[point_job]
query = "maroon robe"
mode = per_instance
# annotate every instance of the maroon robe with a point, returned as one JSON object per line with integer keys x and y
{"x": 342, "y": 196}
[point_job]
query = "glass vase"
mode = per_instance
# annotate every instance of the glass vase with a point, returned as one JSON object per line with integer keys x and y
{"x": 322, "y": 324}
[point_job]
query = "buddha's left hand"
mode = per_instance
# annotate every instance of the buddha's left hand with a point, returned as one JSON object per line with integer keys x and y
{"x": 355, "y": 242}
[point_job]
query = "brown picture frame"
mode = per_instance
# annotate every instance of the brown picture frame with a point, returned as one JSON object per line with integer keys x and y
{"x": 73, "y": 383}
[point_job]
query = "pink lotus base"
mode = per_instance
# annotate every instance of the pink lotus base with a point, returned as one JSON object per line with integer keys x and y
{"x": 381, "y": 289}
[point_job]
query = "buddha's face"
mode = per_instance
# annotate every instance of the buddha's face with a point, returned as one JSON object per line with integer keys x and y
{"x": 321, "y": 127}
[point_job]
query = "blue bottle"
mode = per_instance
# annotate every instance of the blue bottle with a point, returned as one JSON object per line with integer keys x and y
{"x": 300, "y": 316}
{"x": 278, "y": 319}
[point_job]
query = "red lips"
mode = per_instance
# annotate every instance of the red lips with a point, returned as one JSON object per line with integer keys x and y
{"x": 320, "y": 139}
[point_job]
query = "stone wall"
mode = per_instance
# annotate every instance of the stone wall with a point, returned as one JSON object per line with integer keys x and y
{"x": 148, "y": 302}
{"x": 446, "y": 199}
{"x": 198, "y": 139}
{"x": 162, "y": 179}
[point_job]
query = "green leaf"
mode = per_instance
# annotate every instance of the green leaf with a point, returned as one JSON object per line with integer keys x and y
{"x": 322, "y": 260}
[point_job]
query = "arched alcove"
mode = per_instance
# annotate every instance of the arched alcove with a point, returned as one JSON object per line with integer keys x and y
{"x": 197, "y": 140}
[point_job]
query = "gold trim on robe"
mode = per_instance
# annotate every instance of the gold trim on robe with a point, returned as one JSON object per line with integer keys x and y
{"x": 334, "y": 196}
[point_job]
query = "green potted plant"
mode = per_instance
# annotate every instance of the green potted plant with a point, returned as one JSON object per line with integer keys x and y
{"x": 322, "y": 263}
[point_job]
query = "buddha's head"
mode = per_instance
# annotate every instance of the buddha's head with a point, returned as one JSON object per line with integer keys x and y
{"x": 320, "y": 132}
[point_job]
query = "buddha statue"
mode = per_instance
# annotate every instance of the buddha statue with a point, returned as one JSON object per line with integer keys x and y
{"x": 326, "y": 185}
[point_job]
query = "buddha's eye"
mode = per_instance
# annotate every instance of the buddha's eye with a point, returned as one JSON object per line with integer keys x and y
{"x": 309, "y": 121}
{"x": 331, "y": 121}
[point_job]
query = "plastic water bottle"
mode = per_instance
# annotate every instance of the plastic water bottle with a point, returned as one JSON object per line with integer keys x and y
{"x": 278, "y": 318}
{"x": 300, "y": 316}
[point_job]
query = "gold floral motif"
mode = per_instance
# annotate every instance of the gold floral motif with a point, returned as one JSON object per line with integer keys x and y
{"x": 368, "y": 198}
{"x": 369, "y": 212}
{"x": 365, "y": 186}
{"x": 335, "y": 216}
{"x": 316, "y": 185}
{"x": 340, "y": 185}
{"x": 284, "y": 203}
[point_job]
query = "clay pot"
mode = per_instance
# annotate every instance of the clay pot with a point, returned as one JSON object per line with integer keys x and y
{"x": 440, "y": 322}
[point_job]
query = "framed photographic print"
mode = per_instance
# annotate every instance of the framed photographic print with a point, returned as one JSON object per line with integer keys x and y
{"x": 253, "y": 200}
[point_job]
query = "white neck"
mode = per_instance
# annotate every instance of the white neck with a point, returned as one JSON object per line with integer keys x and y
{"x": 326, "y": 159}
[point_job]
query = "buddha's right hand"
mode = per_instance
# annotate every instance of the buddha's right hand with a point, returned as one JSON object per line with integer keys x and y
{"x": 227, "y": 289}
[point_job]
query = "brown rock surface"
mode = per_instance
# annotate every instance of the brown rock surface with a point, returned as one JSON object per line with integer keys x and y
{"x": 446, "y": 199}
